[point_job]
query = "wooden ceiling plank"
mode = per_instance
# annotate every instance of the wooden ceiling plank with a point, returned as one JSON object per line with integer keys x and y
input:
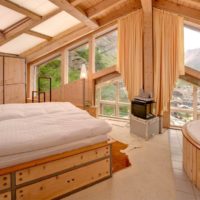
{"x": 116, "y": 15}
{"x": 40, "y": 35}
{"x": 20, "y": 9}
{"x": 1, "y": 34}
{"x": 23, "y": 27}
{"x": 76, "y": 2}
{"x": 77, "y": 13}
{"x": 189, "y": 14}
{"x": 102, "y": 7}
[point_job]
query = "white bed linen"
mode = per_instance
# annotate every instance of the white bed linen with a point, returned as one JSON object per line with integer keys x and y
{"x": 52, "y": 124}
{"x": 12, "y": 160}
{"x": 193, "y": 129}
{"x": 15, "y": 111}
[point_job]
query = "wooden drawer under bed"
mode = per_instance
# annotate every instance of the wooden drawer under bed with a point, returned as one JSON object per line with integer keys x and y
{"x": 5, "y": 182}
{"x": 46, "y": 169}
{"x": 57, "y": 175}
{"x": 5, "y": 196}
{"x": 66, "y": 182}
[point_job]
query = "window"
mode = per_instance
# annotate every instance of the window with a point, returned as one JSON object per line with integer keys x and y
{"x": 185, "y": 103}
{"x": 106, "y": 51}
{"x": 192, "y": 47}
{"x": 50, "y": 69}
{"x": 112, "y": 99}
{"x": 198, "y": 103}
{"x": 77, "y": 57}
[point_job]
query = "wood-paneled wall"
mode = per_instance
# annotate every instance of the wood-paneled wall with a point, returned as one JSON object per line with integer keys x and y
{"x": 12, "y": 80}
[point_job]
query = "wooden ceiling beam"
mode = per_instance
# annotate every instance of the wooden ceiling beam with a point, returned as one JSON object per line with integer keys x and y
{"x": 20, "y": 9}
{"x": 77, "y": 13}
{"x": 26, "y": 25}
{"x": 118, "y": 14}
{"x": 189, "y": 14}
{"x": 76, "y": 2}
{"x": 59, "y": 41}
{"x": 1, "y": 34}
{"x": 148, "y": 45}
{"x": 40, "y": 35}
{"x": 102, "y": 7}
{"x": 72, "y": 35}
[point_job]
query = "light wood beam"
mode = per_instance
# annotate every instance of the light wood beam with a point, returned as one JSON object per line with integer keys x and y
{"x": 118, "y": 14}
{"x": 67, "y": 37}
{"x": 20, "y": 9}
{"x": 1, "y": 34}
{"x": 76, "y": 2}
{"x": 148, "y": 45}
{"x": 77, "y": 13}
{"x": 24, "y": 26}
{"x": 40, "y": 35}
{"x": 189, "y": 14}
{"x": 56, "y": 43}
{"x": 102, "y": 7}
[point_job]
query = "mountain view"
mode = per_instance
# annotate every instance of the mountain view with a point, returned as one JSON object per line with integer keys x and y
{"x": 192, "y": 58}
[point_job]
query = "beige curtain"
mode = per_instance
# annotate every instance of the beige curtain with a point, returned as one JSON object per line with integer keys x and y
{"x": 130, "y": 45}
{"x": 168, "y": 56}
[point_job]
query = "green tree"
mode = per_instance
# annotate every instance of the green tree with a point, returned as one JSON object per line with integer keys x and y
{"x": 52, "y": 70}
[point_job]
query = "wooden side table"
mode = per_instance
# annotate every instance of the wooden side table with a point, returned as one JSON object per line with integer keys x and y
{"x": 144, "y": 128}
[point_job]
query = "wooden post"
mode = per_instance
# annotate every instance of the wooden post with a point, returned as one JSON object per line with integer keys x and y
{"x": 148, "y": 45}
{"x": 64, "y": 77}
{"x": 91, "y": 69}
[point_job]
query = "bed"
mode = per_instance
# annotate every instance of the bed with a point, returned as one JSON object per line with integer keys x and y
{"x": 49, "y": 150}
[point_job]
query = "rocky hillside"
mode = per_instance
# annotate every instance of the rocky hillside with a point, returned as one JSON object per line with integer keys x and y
{"x": 192, "y": 58}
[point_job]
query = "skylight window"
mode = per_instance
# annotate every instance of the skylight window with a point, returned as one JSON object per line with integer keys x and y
{"x": 20, "y": 44}
{"x": 56, "y": 24}
{"x": 9, "y": 17}
{"x": 41, "y": 7}
{"x": 192, "y": 48}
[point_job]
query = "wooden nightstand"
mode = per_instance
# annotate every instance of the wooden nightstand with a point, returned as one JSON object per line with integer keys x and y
{"x": 92, "y": 110}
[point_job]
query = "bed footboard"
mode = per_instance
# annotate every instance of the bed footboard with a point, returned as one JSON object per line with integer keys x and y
{"x": 57, "y": 176}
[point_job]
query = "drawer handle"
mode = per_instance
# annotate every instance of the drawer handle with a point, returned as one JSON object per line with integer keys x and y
{"x": 4, "y": 178}
{"x": 5, "y": 196}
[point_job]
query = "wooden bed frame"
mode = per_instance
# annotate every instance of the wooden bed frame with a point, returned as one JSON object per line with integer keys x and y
{"x": 57, "y": 176}
{"x": 191, "y": 158}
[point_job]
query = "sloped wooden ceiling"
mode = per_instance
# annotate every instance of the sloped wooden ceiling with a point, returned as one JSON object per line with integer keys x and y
{"x": 89, "y": 15}
{"x": 28, "y": 17}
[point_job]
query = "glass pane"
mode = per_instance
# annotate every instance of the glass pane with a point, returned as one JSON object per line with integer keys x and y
{"x": 106, "y": 51}
{"x": 180, "y": 118}
{"x": 124, "y": 111}
{"x": 108, "y": 92}
{"x": 50, "y": 69}
{"x": 77, "y": 57}
{"x": 192, "y": 48}
{"x": 182, "y": 95}
{"x": 123, "y": 95}
{"x": 108, "y": 110}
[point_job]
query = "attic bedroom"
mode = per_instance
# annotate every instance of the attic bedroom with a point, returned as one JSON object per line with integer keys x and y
{"x": 100, "y": 99}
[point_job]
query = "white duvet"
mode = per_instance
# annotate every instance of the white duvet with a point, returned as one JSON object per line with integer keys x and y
{"x": 31, "y": 127}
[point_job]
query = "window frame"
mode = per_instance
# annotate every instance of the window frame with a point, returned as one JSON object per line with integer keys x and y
{"x": 117, "y": 103}
{"x": 194, "y": 110}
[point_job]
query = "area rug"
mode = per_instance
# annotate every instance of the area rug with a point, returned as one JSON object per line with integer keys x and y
{"x": 119, "y": 160}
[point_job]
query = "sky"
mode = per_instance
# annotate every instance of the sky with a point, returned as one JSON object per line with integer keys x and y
{"x": 191, "y": 39}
